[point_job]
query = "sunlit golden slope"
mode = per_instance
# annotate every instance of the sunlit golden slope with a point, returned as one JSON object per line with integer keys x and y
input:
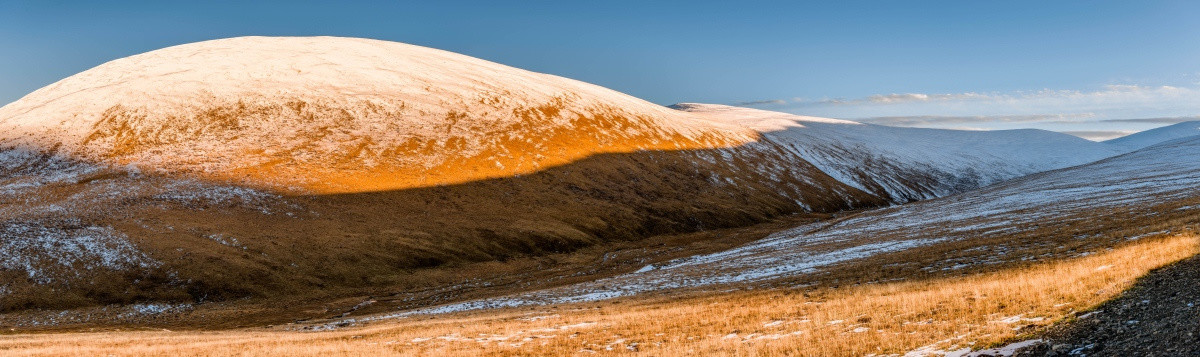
{"x": 336, "y": 115}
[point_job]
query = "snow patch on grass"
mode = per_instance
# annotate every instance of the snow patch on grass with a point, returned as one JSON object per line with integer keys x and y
{"x": 47, "y": 253}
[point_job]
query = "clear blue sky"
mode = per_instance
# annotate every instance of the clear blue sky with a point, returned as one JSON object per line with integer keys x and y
{"x": 969, "y": 64}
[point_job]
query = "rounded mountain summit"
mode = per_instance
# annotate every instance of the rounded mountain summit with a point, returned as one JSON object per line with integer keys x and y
{"x": 337, "y": 115}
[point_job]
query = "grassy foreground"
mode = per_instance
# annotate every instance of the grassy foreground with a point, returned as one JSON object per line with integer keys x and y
{"x": 892, "y": 318}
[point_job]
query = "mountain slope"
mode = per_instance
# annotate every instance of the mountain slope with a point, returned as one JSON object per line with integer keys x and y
{"x": 907, "y": 164}
{"x": 1052, "y": 215}
{"x": 1157, "y": 135}
{"x": 316, "y": 168}
{"x": 273, "y": 167}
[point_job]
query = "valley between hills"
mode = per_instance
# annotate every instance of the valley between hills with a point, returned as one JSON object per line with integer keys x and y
{"x": 324, "y": 195}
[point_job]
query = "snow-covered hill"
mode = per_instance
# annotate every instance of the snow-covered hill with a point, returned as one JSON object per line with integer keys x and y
{"x": 1157, "y": 135}
{"x": 906, "y": 164}
{"x": 339, "y": 115}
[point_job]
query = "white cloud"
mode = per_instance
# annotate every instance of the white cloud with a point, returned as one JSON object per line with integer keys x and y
{"x": 918, "y": 97}
{"x": 1162, "y": 120}
{"x": 755, "y": 103}
{"x": 937, "y": 120}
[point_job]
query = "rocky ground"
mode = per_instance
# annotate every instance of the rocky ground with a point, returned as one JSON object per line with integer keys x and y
{"x": 1160, "y": 316}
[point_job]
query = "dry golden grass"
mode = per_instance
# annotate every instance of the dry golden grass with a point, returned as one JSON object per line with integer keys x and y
{"x": 507, "y": 141}
{"x": 979, "y": 310}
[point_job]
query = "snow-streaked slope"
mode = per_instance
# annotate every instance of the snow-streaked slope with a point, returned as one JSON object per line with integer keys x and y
{"x": 904, "y": 164}
{"x": 339, "y": 114}
{"x": 1151, "y": 184}
{"x": 1127, "y": 185}
{"x": 1157, "y": 135}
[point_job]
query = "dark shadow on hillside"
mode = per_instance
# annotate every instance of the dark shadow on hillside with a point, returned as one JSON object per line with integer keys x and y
{"x": 338, "y": 245}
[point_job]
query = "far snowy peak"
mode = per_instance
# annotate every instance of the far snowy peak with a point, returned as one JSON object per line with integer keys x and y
{"x": 1158, "y": 135}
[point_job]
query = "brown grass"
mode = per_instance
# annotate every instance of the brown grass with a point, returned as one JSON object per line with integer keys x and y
{"x": 975, "y": 310}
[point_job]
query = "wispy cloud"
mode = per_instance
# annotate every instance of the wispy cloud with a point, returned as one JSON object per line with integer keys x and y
{"x": 1108, "y": 92}
{"x": 1163, "y": 120}
{"x": 756, "y": 103}
{"x": 938, "y": 120}
{"x": 918, "y": 97}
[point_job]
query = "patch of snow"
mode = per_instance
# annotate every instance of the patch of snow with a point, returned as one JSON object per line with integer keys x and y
{"x": 52, "y": 253}
{"x": 140, "y": 310}
{"x": 1007, "y": 350}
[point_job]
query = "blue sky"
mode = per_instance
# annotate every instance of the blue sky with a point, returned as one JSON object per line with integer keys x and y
{"x": 1073, "y": 66}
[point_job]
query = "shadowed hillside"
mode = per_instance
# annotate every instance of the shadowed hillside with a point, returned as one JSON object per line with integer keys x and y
{"x": 196, "y": 241}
